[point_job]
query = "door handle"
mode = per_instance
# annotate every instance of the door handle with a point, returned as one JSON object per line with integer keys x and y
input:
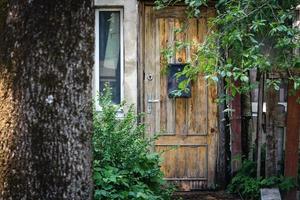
{"x": 150, "y": 101}
{"x": 153, "y": 100}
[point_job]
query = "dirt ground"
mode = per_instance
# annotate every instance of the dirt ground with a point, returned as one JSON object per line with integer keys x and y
{"x": 204, "y": 195}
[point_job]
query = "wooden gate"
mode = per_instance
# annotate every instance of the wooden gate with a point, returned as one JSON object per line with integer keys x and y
{"x": 187, "y": 127}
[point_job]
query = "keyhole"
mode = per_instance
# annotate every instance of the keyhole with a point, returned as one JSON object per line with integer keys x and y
{"x": 150, "y": 77}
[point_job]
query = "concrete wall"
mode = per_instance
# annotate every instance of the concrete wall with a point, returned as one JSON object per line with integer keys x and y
{"x": 130, "y": 26}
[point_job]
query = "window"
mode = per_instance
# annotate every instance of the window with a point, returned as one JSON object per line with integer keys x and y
{"x": 109, "y": 52}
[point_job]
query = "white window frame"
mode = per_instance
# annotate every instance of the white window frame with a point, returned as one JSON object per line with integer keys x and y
{"x": 96, "y": 85}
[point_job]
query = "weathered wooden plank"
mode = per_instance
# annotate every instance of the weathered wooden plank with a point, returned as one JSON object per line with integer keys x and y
{"x": 163, "y": 35}
{"x": 292, "y": 139}
{"x": 201, "y": 106}
{"x": 192, "y": 163}
{"x": 141, "y": 59}
{"x": 182, "y": 162}
{"x": 191, "y": 106}
{"x": 157, "y": 75}
{"x": 186, "y": 161}
{"x": 212, "y": 122}
{"x": 236, "y": 133}
{"x": 212, "y": 132}
{"x": 170, "y": 160}
{"x": 192, "y": 156}
{"x": 203, "y": 162}
{"x": 195, "y": 157}
{"x": 180, "y": 103}
{"x": 149, "y": 84}
{"x": 201, "y": 102}
{"x": 272, "y": 98}
{"x": 180, "y": 140}
{"x": 169, "y": 30}
{"x": 293, "y": 127}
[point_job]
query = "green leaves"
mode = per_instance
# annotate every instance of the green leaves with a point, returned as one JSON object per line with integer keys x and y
{"x": 274, "y": 83}
{"x": 247, "y": 185}
{"x": 258, "y": 24}
{"x": 245, "y": 35}
{"x": 123, "y": 166}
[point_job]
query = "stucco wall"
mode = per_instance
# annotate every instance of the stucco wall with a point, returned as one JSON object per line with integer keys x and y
{"x": 130, "y": 25}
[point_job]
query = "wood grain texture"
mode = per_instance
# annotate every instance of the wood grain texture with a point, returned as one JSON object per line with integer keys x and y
{"x": 180, "y": 103}
{"x": 184, "y": 161}
{"x": 163, "y": 77}
{"x": 170, "y": 101}
{"x": 272, "y": 99}
{"x": 292, "y": 139}
{"x": 187, "y": 126}
{"x": 149, "y": 70}
{"x": 212, "y": 131}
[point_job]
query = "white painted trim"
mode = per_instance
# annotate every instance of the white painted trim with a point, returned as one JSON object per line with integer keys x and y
{"x": 96, "y": 61}
{"x": 96, "y": 77}
{"x": 108, "y": 3}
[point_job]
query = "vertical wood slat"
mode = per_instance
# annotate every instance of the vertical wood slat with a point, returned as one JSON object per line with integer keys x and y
{"x": 157, "y": 76}
{"x": 180, "y": 103}
{"x": 293, "y": 127}
{"x": 181, "y": 162}
{"x": 170, "y": 161}
{"x": 163, "y": 78}
{"x": 212, "y": 131}
{"x": 191, "y": 102}
{"x": 236, "y": 132}
{"x": 140, "y": 59}
{"x": 292, "y": 139}
{"x": 171, "y": 120}
{"x": 202, "y": 96}
{"x": 212, "y": 122}
{"x": 272, "y": 98}
{"x": 150, "y": 69}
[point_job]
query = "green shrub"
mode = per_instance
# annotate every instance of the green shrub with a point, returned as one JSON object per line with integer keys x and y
{"x": 248, "y": 186}
{"x": 124, "y": 168}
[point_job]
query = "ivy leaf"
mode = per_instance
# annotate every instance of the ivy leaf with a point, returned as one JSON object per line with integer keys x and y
{"x": 244, "y": 78}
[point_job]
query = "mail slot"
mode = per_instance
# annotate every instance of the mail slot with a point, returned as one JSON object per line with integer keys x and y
{"x": 173, "y": 82}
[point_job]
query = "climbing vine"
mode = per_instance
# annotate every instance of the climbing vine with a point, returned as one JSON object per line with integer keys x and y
{"x": 244, "y": 35}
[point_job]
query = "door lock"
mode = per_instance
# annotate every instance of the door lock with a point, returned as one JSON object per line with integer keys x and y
{"x": 150, "y": 101}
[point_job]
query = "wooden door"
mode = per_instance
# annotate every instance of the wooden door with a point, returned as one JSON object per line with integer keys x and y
{"x": 187, "y": 127}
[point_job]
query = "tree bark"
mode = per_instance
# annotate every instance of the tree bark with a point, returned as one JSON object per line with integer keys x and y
{"x": 46, "y": 50}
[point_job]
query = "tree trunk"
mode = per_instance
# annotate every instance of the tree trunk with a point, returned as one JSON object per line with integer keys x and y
{"x": 46, "y": 62}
